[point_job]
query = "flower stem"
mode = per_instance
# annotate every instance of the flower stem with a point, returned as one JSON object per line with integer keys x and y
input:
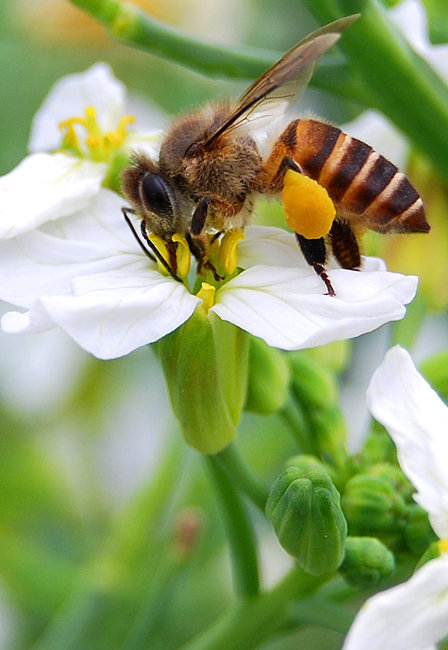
{"x": 133, "y": 27}
{"x": 253, "y": 620}
{"x": 239, "y": 530}
{"x": 238, "y": 471}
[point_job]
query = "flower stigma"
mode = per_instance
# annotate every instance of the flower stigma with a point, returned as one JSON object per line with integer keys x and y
{"x": 207, "y": 294}
{"x": 100, "y": 146}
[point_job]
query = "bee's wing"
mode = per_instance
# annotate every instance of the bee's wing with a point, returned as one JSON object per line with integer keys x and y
{"x": 284, "y": 82}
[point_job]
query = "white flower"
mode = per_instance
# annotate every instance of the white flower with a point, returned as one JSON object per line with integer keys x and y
{"x": 60, "y": 178}
{"x": 413, "y": 615}
{"x": 87, "y": 275}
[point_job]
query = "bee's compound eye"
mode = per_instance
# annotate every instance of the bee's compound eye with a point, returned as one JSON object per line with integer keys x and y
{"x": 157, "y": 195}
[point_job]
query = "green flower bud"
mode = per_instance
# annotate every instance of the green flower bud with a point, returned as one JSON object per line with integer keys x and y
{"x": 268, "y": 378}
{"x": 334, "y": 356}
{"x": 313, "y": 385}
{"x": 435, "y": 370}
{"x": 330, "y": 433}
{"x": 367, "y": 562}
{"x": 418, "y": 532}
{"x": 205, "y": 366}
{"x": 304, "y": 509}
{"x": 372, "y": 506}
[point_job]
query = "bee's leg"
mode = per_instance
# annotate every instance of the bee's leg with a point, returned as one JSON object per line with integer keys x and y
{"x": 196, "y": 244}
{"x": 286, "y": 163}
{"x": 153, "y": 253}
{"x": 200, "y": 216}
{"x": 197, "y": 247}
{"x": 344, "y": 245}
{"x": 315, "y": 254}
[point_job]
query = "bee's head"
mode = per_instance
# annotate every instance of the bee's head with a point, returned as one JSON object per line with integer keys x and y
{"x": 151, "y": 195}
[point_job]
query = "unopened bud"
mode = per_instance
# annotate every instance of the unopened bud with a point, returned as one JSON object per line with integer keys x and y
{"x": 312, "y": 383}
{"x": 205, "y": 366}
{"x": 372, "y": 506}
{"x": 304, "y": 509}
{"x": 268, "y": 378}
{"x": 418, "y": 532}
{"x": 367, "y": 562}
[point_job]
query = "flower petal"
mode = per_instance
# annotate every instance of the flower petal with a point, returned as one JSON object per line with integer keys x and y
{"x": 45, "y": 187}
{"x": 88, "y": 275}
{"x": 112, "y": 314}
{"x": 411, "y": 616}
{"x": 70, "y": 96}
{"x": 286, "y": 306}
{"x": 269, "y": 246}
{"x": 417, "y": 420}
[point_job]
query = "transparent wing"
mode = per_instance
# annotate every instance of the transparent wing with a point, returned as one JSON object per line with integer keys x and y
{"x": 281, "y": 85}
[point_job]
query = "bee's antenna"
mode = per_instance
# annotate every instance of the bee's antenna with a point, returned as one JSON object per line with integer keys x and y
{"x": 153, "y": 254}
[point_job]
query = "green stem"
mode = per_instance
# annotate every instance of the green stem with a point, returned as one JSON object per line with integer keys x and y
{"x": 238, "y": 471}
{"x": 403, "y": 86}
{"x": 321, "y": 613}
{"x": 239, "y": 530}
{"x": 131, "y": 26}
{"x": 251, "y": 621}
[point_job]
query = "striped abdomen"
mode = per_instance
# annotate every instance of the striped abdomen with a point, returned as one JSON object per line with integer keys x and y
{"x": 364, "y": 186}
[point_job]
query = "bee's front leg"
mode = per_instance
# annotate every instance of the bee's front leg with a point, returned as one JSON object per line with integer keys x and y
{"x": 200, "y": 216}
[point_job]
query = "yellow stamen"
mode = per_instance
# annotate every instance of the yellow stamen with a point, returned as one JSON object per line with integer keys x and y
{"x": 228, "y": 252}
{"x": 309, "y": 211}
{"x": 207, "y": 295}
{"x": 122, "y": 125}
{"x": 100, "y": 145}
{"x": 161, "y": 247}
{"x": 70, "y": 139}
{"x": 443, "y": 545}
{"x": 183, "y": 255}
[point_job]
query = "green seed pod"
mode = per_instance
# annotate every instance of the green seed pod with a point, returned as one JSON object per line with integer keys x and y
{"x": 304, "y": 509}
{"x": 268, "y": 378}
{"x": 205, "y": 366}
{"x": 367, "y": 562}
{"x": 373, "y": 506}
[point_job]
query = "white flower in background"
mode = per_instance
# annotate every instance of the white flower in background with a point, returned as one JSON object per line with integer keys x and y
{"x": 75, "y": 134}
{"x": 413, "y": 615}
{"x": 87, "y": 275}
{"x": 410, "y": 18}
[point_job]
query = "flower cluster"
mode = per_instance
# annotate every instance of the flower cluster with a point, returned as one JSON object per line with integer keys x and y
{"x": 415, "y": 613}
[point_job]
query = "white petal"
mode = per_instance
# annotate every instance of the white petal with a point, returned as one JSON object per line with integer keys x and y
{"x": 70, "y": 96}
{"x": 114, "y": 313}
{"x": 288, "y": 309}
{"x": 269, "y": 246}
{"x": 417, "y": 420}
{"x": 411, "y": 616}
{"x": 45, "y": 187}
{"x": 88, "y": 275}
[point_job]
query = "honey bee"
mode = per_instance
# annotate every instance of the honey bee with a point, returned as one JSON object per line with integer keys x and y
{"x": 210, "y": 169}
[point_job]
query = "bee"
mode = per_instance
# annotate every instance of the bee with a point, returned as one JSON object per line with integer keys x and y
{"x": 211, "y": 168}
